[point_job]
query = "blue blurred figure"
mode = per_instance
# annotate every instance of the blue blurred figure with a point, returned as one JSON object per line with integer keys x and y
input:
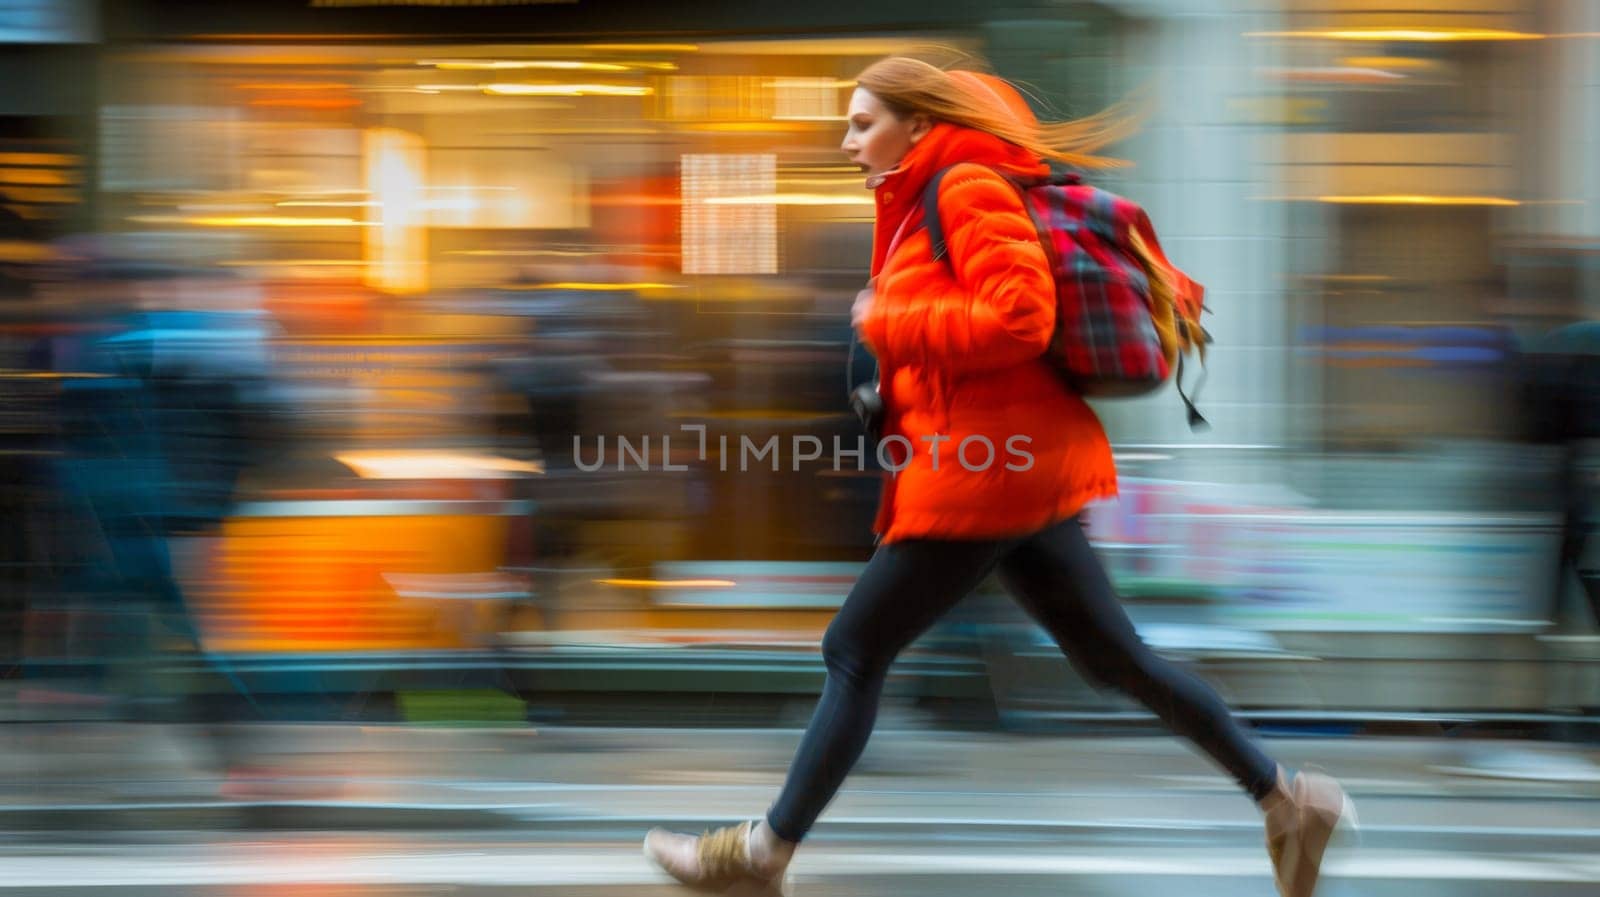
{"x": 156, "y": 428}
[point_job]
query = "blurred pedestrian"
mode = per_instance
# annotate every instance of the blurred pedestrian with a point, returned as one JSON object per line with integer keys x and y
{"x": 158, "y": 422}
{"x": 1559, "y": 380}
{"x": 961, "y": 346}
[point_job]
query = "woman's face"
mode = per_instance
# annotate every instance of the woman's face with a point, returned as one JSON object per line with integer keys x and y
{"x": 876, "y": 138}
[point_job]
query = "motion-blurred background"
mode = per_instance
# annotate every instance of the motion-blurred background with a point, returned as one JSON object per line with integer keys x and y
{"x": 381, "y": 383}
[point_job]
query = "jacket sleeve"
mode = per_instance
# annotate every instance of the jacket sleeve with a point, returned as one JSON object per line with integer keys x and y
{"x": 1000, "y": 308}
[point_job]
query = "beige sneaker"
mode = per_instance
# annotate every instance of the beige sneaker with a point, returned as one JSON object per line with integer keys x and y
{"x": 1301, "y": 819}
{"x": 716, "y": 861}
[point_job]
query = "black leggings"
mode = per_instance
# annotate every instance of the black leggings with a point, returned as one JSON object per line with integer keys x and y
{"x": 1057, "y": 578}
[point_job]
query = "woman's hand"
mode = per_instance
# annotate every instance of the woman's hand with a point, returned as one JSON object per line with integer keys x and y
{"x": 863, "y": 305}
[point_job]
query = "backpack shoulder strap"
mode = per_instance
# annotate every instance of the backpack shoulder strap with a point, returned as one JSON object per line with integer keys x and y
{"x": 930, "y": 215}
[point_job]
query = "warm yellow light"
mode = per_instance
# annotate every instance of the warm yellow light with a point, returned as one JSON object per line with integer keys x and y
{"x": 1403, "y": 34}
{"x": 752, "y": 127}
{"x": 792, "y": 199}
{"x": 820, "y": 182}
{"x": 575, "y": 285}
{"x": 462, "y": 204}
{"x": 58, "y": 159}
{"x": 821, "y": 169}
{"x": 326, "y": 192}
{"x": 24, "y": 251}
{"x": 322, "y": 103}
{"x": 38, "y": 177}
{"x": 1404, "y": 199}
{"x": 292, "y": 263}
{"x": 817, "y": 83}
{"x": 398, "y": 246}
{"x": 397, "y": 465}
{"x": 660, "y": 48}
{"x": 248, "y": 221}
{"x": 565, "y": 65}
{"x": 327, "y": 204}
{"x": 668, "y": 583}
{"x": 565, "y": 90}
{"x": 291, "y": 85}
{"x": 524, "y": 252}
{"x": 1388, "y": 62}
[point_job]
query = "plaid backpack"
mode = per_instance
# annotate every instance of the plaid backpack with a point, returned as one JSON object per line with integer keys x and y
{"x": 1125, "y": 316}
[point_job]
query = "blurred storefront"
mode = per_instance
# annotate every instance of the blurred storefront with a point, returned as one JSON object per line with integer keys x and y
{"x": 486, "y": 229}
{"x": 484, "y": 238}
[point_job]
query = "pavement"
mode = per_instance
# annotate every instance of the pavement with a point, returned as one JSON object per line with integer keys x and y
{"x": 127, "y": 810}
{"x": 111, "y": 776}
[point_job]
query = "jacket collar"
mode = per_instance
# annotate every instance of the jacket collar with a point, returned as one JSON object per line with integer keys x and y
{"x": 898, "y": 193}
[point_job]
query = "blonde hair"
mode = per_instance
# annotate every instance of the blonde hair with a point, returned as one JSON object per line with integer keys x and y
{"x": 909, "y": 87}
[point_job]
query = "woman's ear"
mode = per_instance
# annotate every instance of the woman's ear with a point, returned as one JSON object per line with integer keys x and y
{"x": 920, "y": 126}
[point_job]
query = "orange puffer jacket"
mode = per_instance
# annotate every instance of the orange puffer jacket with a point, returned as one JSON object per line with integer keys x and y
{"x": 961, "y": 358}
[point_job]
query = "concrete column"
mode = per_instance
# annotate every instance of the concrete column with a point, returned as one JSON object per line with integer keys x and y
{"x": 1205, "y": 169}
